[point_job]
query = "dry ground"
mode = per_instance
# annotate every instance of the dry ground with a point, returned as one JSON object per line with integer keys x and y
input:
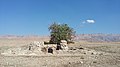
{"x": 109, "y": 58}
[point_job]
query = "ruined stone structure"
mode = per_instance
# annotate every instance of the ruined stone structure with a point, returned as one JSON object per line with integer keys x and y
{"x": 64, "y": 45}
{"x": 41, "y": 47}
{"x": 37, "y": 48}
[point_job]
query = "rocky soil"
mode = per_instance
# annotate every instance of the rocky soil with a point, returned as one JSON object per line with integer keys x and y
{"x": 105, "y": 55}
{"x": 79, "y": 54}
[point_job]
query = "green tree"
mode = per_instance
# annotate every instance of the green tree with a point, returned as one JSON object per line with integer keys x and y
{"x": 60, "y": 32}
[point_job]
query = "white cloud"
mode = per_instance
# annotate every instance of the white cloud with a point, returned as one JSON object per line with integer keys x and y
{"x": 90, "y": 21}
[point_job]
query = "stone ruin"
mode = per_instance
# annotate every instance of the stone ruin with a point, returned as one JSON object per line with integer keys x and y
{"x": 64, "y": 45}
{"x": 40, "y": 49}
{"x": 36, "y": 48}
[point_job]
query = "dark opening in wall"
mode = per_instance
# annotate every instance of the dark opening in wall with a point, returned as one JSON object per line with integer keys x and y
{"x": 50, "y": 50}
{"x": 58, "y": 46}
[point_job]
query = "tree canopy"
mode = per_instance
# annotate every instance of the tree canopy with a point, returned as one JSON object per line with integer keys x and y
{"x": 60, "y": 32}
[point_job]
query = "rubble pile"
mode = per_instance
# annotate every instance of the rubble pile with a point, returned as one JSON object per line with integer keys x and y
{"x": 64, "y": 45}
{"x": 39, "y": 48}
{"x": 33, "y": 48}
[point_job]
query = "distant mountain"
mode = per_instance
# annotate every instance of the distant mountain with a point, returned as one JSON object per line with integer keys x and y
{"x": 80, "y": 37}
{"x": 98, "y": 37}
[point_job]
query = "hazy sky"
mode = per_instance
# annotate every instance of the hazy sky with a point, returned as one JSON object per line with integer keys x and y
{"x": 33, "y": 17}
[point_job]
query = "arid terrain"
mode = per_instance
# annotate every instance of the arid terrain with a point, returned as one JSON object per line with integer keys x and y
{"x": 81, "y": 54}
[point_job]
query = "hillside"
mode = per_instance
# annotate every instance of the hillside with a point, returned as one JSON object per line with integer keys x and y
{"x": 98, "y": 37}
{"x": 79, "y": 37}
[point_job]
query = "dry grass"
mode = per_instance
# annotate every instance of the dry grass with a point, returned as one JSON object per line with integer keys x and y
{"x": 81, "y": 60}
{"x": 19, "y": 41}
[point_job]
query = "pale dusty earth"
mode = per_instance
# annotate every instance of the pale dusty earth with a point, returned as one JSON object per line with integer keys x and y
{"x": 78, "y": 55}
